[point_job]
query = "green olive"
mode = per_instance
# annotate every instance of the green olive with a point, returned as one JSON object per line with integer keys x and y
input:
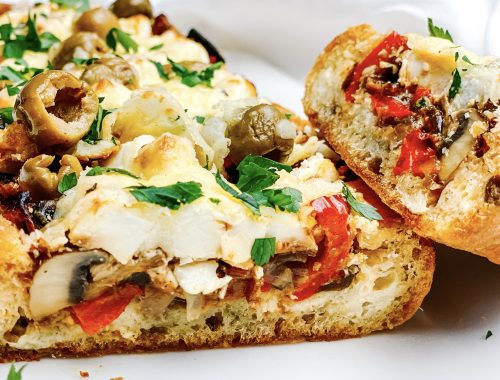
{"x": 262, "y": 130}
{"x": 80, "y": 45}
{"x": 36, "y": 177}
{"x": 128, "y": 8}
{"x": 98, "y": 20}
{"x": 56, "y": 108}
{"x": 111, "y": 68}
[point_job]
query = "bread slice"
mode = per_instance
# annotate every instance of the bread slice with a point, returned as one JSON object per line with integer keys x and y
{"x": 461, "y": 210}
{"x": 388, "y": 289}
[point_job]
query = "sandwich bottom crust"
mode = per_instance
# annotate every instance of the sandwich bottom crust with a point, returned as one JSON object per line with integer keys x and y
{"x": 235, "y": 323}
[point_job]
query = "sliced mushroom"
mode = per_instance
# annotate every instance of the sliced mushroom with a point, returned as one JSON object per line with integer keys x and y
{"x": 56, "y": 108}
{"x": 459, "y": 145}
{"x": 61, "y": 282}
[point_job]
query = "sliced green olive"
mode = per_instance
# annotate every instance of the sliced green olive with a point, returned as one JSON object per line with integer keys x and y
{"x": 262, "y": 130}
{"x": 56, "y": 108}
{"x": 128, "y": 8}
{"x": 98, "y": 20}
{"x": 111, "y": 68}
{"x": 36, "y": 177}
{"x": 80, "y": 45}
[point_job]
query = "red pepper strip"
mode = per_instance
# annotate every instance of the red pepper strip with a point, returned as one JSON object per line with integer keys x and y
{"x": 331, "y": 214}
{"x": 387, "y": 106}
{"x": 392, "y": 41}
{"x": 420, "y": 92}
{"x": 418, "y": 155}
{"x": 389, "y": 216}
{"x": 96, "y": 314}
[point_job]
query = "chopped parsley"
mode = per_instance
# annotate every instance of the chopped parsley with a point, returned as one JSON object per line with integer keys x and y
{"x": 6, "y": 116}
{"x": 93, "y": 135}
{"x": 489, "y": 334}
{"x": 256, "y": 174}
{"x": 436, "y": 31}
{"x": 67, "y": 182}
{"x": 172, "y": 196}
{"x": 456, "y": 82}
{"x": 422, "y": 102}
{"x": 18, "y": 78}
{"x": 200, "y": 119}
{"x": 79, "y": 5}
{"x": 16, "y": 44}
{"x": 99, "y": 170}
{"x": 161, "y": 70}
{"x": 156, "y": 47}
{"x": 117, "y": 36}
{"x": 214, "y": 200}
{"x": 288, "y": 116}
{"x": 193, "y": 78}
{"x": 15, "y": 374}
{"x": 84, "y": 62}
{"x": 363, "y": 209}
{"x": 262, "y": 250}
{"x": 467, "y": 60}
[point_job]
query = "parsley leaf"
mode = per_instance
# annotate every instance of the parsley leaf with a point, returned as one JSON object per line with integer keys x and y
{"x": 15, "y": 374}
{"x": 288, "y": 116}
{"x": 93, "y": 135}
{"x": 247, "y": 199}
{"x": 8, "y": 73}
{"x": 172, "y": 196}
{"x": 79, "y": 5}
{"x": 466, "y": 59}
{"x": 84, "y": 62}
{"x": 436, "y": 31}
{"x": 161, "y": 70}
{"x": 455, "y": 84}
{"x": 489, "y": 334}
{"x": 99, "y": 170}
{"x": 156, "y": 47}
{"x": 422, "y": 102}
{"x": 286, "y": 199}
{"x": 262, "y": 250}
{"x": 68, "y": 182}
{"x": 193, "y": 78}
{"x": 363, "y": 209}
{"x": 6, "y": 116}
{"x": 214, "y": 200}
{"x": 200, "y": 119}
{"x": 6, "y": 31}
{"x": 257, "y": 173}
{"x": 117, "y": 36}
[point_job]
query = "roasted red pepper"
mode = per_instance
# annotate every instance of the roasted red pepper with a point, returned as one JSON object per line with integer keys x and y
{"x": 418, "y": 155}
{"x": 393, "y": 41}
{"x": 331, "y": 214}
{"x": 387, "y": 106}
{"x": 96, "y": 314}
{"x": 389, "y": 216}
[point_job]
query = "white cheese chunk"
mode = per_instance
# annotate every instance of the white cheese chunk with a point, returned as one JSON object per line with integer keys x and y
{"x": 200, "y": 278}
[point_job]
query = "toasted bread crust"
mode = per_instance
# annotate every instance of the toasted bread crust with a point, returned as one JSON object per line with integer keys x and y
{"x": 278, "y": 329}
{"x": 478, "y": 231}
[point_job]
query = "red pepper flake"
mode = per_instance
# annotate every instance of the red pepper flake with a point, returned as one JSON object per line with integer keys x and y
{"x": 418, "y": 155}
{"x": 84, "y": 374}
{"x": 332, "y": 214}
{"x": 392, "y": 42}
{"x": 94, "y": 315}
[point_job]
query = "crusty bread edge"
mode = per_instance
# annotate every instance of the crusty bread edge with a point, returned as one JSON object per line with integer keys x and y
{"x": 473, "y": 235}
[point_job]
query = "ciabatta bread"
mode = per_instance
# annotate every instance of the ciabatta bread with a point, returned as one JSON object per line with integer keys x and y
{"x": 457, "y": 202}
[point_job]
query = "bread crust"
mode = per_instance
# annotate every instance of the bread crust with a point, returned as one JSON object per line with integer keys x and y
{"x": 477, "y": 232}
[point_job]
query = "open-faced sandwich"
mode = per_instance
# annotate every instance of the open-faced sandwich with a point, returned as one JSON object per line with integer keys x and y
{"x": 417, "y": 118}
{"x": 152, "y": 201}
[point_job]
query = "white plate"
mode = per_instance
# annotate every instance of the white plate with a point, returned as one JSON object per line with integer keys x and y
{"x": 445, "y": 340}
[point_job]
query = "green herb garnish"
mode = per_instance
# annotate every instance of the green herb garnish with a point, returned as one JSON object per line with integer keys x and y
{"x": 84, "y": 62}
{"x": 200, "y": 119}
{"x": 161, "y": 70}
{"x": 455, "y": 84}
{"x": 15, "y": 374}
{"x": 436, "y": 31}
{"x": 262, "y": 250}
{"x": 247, "y": 199}
{"x": 193, "y": 78}
{"x": 6, "y": 116}
{"x": 156, "y": 47}
{"x": 214, "y": 200}
{"x": 288, "y": 116}
{"x": 363, "y": 209}
{"x": 258, "y": 173}
{"x": 117, "y": 36}
{"x": 79, "y": 5}
{"x": 172, "y": 196}
{"x": 100, "y": 170}
{"x": 68, "y": 182}
{"x": 489, "y": 334}
{"x": 94, "y": 133}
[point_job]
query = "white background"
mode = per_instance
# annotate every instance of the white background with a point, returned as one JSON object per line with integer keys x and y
{"x": 274, "y": 43}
